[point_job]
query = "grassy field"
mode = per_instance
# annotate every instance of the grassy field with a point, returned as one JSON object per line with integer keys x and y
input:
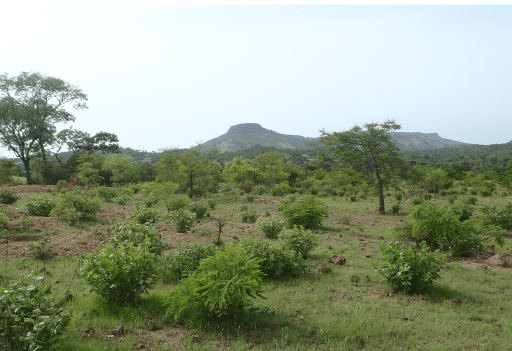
{"x": 349, "y": 308}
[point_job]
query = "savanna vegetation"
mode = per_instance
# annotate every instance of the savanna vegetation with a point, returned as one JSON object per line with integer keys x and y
{"x": 353, "y": 246}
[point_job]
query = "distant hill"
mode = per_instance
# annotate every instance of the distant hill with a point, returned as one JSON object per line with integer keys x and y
{"x": 245, "y": 135}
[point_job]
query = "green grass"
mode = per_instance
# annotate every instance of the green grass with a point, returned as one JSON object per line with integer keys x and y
{"x": 321, "y": 312}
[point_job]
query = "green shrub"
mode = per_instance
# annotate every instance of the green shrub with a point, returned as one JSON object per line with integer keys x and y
{"x": 281, "y": 204}
{"x": 498, "y": 216}
{"x": 408, "y": 269}
{"x": 121, "y": 200}
{"x": 271, "y": 227}
{"x": 353, "y": 198}
{"x": 143, "y": 215}
{"x": 7, "y": 197}
{"x": 427, "y": 197}
{"x": 280, "y": 189}
{"x": 471, "y": 200}
{"x": 138, "y": 234}
{"x": 395, "y": 209}
{"x": 306, "y": 212}
{"x": 40, "y": 249}
{"x": 41, "y": 206}
{"x": 222, "y": 285}
{"x": 504, "y": 194}
{"x": 249, "y": 216}
{"x": 29, "y": 320}
{"x": 277, "y": 260}
{"x": 345, "y": 219}
{"x": 178, "y": 203}
{"x": 452, "y": 198}
{"x": 398, "y": 196}
{"x": 473, "y": 191}
{"x": 443, "y": 193}
{"x": 8, "y": 213}
{"x": 226, "y": 188}
{"x": 250, "y": 198}
{"x": 485, "y": 192}
{"x": 186, "y": 259}
{"x": 76, "y": 205}
{"x": 4, "y": 220}
{"x": 183, "y": 220}
{"x": 211, "y": 203}
{"x": 300, "y": 240}
{"x": 26, "y": 222}
{"x": 417, "y": 201}
{"x": 120, "y": 273}
{"x": 463, "y": 212}
{"x": 260, "y": 189}
{"x": 199, "y": 208}
{"x": 105, "y": 193}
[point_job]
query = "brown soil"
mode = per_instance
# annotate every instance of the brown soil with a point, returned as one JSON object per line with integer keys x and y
{"x": 23, "y": 188}
{"x": 502, "y": 262}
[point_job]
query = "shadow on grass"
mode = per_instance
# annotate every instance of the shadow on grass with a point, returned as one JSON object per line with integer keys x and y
{"x": 443, "y": 292}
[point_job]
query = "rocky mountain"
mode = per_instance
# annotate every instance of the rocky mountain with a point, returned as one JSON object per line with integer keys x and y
{"x": 242, "y": 136}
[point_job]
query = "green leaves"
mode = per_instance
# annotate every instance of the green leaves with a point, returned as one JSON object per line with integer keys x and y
{"x": 300, "y": 240}
{"x": 307, "y": 212}
{"x": 41, "y": 206}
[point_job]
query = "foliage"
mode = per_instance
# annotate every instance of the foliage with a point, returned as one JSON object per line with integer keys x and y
{"x": 345, "y": 219}
{"x": 41, "y": 206}
{"x": 183, "y": 220}
{"x": 199, "y": 208}
{"x": 280, "y": 189}
{"x": 7, "y": 197}
{"x": 277, "y": 260}
{"x": 281, "y": 204}
{"x": 76, "y": 205}
{"x": 40, "y": 249}
{"x": 211, "y": 203}
{"x": 141, "y": 214}
{"x": 186, "y": 259}
{"x": 300, "y": 240}
{"x": 29, "y": 320}
{"x": 177, "y": 203}
{"x": 120, "y": 272}
{"x": 417, "y": 201}
{"x": 306, "y": 212}
{"x": 7, "y": 171}
{"x": 485, "y": 192}
{"x": 222, "y": 285}
{"x": 463, "y": 212}
{"x": 409, "y": 269}
{"x": 271, "y": 227}
{"x": 249, "y": 216}
{"x": 395, "y": 208}
{"x": 4, "y": 220}
{"x": 498, "y": 216}
{"x": 138, "y": 234}
{"x": 452, "y": 198}
{"x": 471, "y": 200}
{"x": 26, "y": 222}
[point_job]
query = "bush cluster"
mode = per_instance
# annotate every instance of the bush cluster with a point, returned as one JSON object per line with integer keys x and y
{"x": 186, "y": 259}
{"x": 177, "y": 203}
{"x": 138, "y": 234}
{"x": 41, "y": 206}
{"x": 280, "y": 189}
{"x": 7, "y": 197}
{"x": 249, "y": 216}
{"x": 183, "y": 220}
{"x": 144, "y": 215}
{"x": 199, "y": 208}
{"x": 498, "y": 216}
{"x": 300, "y": 240}
{"x": 307, "y": 212}
{"x": 76, "y": 205}
{"x": 271, "y": 227}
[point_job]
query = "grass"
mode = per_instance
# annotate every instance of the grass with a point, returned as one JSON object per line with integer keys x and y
{"x": 347, "y": 309}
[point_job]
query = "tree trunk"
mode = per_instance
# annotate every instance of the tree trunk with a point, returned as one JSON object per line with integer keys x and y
{"x": 380, "y": 188}
{"x": 191, "y": 185}
{"x": 26, "y": 163}
{"x": 43, "y": 152}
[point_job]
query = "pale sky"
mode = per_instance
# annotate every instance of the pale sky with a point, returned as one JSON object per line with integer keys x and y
{"x": 170, "y": 75}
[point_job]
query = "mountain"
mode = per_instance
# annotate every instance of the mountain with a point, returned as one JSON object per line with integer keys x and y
{"x": 245, "y": 135}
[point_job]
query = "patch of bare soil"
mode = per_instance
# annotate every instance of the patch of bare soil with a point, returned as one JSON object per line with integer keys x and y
{"x": 113, "y": 212}
{"x": 503, "y": 262}
{"x": 170, "y": 339}
{"x": 366, "y": 236}
{"x": 39, "y": 224}
{"x": 34, "y": 188}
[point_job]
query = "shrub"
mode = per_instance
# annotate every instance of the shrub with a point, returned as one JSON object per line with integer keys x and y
{"x": 121, "y": 200}
{"x": 306, "y": 212}
{"x": 26, "y": 222}
{"x": 345, "y": 219}
{"x": 427, "y": 197}
{"x": 211, "y": 203}
{"x": 199, "y": 208}
{"x": 4, "y": 220}
{"x": 409, "y": 269}
{"x": 353, "y": 198}
{"x": 280, "y": 189}
{"x": 249, "y": 216}
{"x": 186, "y": 259}
{"x": 278, "y": 261}
{"x": 177, "y": 203}
{"x": 143, "y": 215}
{"x": 41, "y": 206}
{"x": 500, "y": 217}
{"x": 250, "y": 198}
{"x": 463, "y": 212}
{"x": 105, "y": 193}
{"x": 471, "y": 200}
{"x": 40, "y": 249}
{"x": 395, "y": 209}
{"x": 183, "y": 220}
{"x": 281, "y": 204}
{"x": 76, "y": 205}
{"x": 259, "y": 189}
{"x": 8, "y": 213}
{"x": 120, "y": 273}
{"x": 485, "y": 192}
{"x": 7, "y": 197}
{"x": 452, "y": 198}
{"x": 417, "y": 201}
{"x": 222, "y": 285}
{"x": 29, "y": 320}
{"x": 271, "y": 227}
{"x": 473, "y": 191}
{"x": 138, "y": 234}
{"x": 398, "y": 196}
{"x": 443, "y": 193}
{"x": 300, "y": 240}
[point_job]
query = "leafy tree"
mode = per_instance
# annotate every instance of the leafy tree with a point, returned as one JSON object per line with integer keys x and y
{"x": 120, "y": 166}
{"x": 7, "y": 170}
{"x": 369, "y": 150}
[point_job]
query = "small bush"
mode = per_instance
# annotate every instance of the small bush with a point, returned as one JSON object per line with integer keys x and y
{"x": 417, "y": 201}
{"x": 8, "y": 213}
{"x": 76, "y": 205}
{"x": 395, "y": 209}
{"x": 259, "y": 189}
{"x": 40, "y": 249}
{"x": 211, "y": 203}
{"x": 138, "y": 234}
{"x": 280, "y": 189}
{"x": 183, "y": 220}
{"x": 485, "y": 192}
{"x": 121, "y": 200}
{"x": 7, "y": 197}
{"x": 471, "y": 200}
{"x": 29, "y": 320}
{"x": 281, "y": 204}
{"x": 452, "y": 198}
{"x": 117, "y": 279}
{"x": 4, "y": 220}
{"x": 345, "y": 219}
{"x": 26, "y": 223}
{"x": 105, "y": 193}
{"x": 199, "y": 208}
{"x": 353, "y": 198}
{"x": 222, "y": 285}
{"x": 143, "y": 215}
{"x": 463, "y": 212}
{"x": 398, "y": 196}
{"x": 178, "y": 203}
{"x": 250, "y": 198}
{"x": 249, "y": 216}
{"x": 306, "y": 212}
{"x": 186, "y": 259}
{"x": 473, "y": 191}
{"x": 271, "y": 227}
{"x": 498, "y": 216}
{"x": 408, "y": 269}
{"x": 277, "y": 260}
{"x": 300, "y": 240}
{"x": 41, "y": 206}
{"x": 443, "y": 193}
{"x": 427, "y": 197}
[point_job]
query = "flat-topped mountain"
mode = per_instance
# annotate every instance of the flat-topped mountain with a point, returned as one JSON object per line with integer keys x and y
{"x": 244, "y": 135}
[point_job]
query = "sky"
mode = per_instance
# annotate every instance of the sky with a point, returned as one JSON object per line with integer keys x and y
{"x": 169, "y": 75}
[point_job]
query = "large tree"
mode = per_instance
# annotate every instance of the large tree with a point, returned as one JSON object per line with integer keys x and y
{"x": 31, "y": 104}
{"x": 369, "y": 150}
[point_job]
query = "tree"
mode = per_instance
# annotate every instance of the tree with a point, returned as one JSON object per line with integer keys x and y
{"x": 369, "y": 150}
